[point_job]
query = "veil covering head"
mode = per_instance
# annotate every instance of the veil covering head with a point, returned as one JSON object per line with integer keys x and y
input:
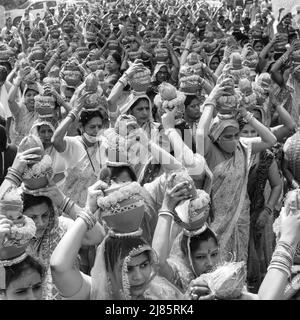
{"x": 113, "y": 255}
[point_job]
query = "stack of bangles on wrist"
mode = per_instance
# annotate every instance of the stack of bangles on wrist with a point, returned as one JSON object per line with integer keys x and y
{"x": 72, "y": 114}
{"x": 89, "y": 219}
{"x": 66, "y": 205}
{"x": 209, "y": 103}
{"x": 166, "y": 213}
{"x": 124, "y": 79}
{"x": 248, "y": 116}
{"x": 283, "y": 257}
{"x": 270, "y": 211}
{"x": 14, "y": 175}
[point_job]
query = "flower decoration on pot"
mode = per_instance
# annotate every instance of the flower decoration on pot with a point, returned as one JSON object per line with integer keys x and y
{"x": 23, "y": 228}
{"x": 227, "y": 281}
{"x": 235, "y": 69}
{"x": 140, "y": 81}
{"x": 248, "y": 96}
{"x": 36, "y": 176}
{"x": 92, "y": 91}
{"x": 190, "y": 85}
{"x": 169, "y": 99}
{"x": 228, "y": 104}
{"x": 122, "y": 207}
{"x": 53, "y": 78}
{"x": 82, "y": 52}
{"x": 44, "y": 105}
{"x": 71, "y": 73}
{"x": 193, "y": 66}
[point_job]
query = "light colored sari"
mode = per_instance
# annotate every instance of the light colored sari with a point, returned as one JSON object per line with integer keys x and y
{"x": 230, "y": 202}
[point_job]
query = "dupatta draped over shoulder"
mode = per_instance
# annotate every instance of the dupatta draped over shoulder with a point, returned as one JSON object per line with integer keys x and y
{"x": 230, "y": 202}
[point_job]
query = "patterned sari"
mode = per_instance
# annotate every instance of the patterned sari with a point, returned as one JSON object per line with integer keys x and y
{"x": 230, "y": 202}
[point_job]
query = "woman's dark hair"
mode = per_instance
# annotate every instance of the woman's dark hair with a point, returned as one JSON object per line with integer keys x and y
{"x": 117, "y": 57}
{"x": 31, "y": 201}
{"x": 3, "y": 138}
{"x": 13, "y": 272}
{"x": 196, "y": 240}
{"x": 113, "y": 172}
{"x": 189, "y": 99}
{"x": 118, "y": 248}
{"x": 3, "y": 73}
{"x": 137, "y": 101}
{"x": 87, "y": 115}
{"x": 6, "y": 65}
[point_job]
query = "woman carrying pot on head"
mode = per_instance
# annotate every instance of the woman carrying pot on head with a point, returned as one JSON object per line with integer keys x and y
{"x": 125, "y": 265}
{"x": 42, "y": 206}
{"x": 23, "y": 110}
{"x": 229, "y": 159}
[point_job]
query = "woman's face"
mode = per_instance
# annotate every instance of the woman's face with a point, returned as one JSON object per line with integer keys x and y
{"x": 45, "y": 134}
{"x": 162, "y": 74}
{"x": 192, "y": 111}
{"x": 248, "y": 131}
{"x": 205, "y": 257}
{"x": 229, "y": 139}
{"x": 40, "y": 214}
{"x": 214, "y": 63}
{"x": 29, "y": 99}
{"x": 141, "y": 112}
{"x": 139, "y": 272}
{"x": 93, "y": 127}
{"x": 258, "y": 47}
{"x": 111, "y": 64}
{"x": 28, "y": 286}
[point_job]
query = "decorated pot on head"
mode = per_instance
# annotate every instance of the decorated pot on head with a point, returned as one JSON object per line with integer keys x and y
{"x": 113, "y": 43}
{"x": 37, "y": 54}
{"x": 169, "y": 99}
{"x": 251, "y": 61}
{"x": 282, "y": 41}
{"x": 190, "y": 85}
{"x": 82, "y": 52}
{"x": 93, "y": 92}
{"x": 227, "y": 104}
{"x": 235, "y": 69}
{"x": 90, "y": 36}
{"x": 53, "y": 78}
{"x": 140, "y": 81}
{"x": 71, "y": 73}
{"x": 122, "y": 207}
{"x": 44, "y": 105}
{"x": 31, "y": 76}
{"x": 36, "y": 176}
{"x": 23, "y": 228}
{"x": 248, "y": 96}
{"x": 161, "y": 53}
{"x": 192, "y": 67}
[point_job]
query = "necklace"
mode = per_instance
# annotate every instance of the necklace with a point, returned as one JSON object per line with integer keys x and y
{"x": 89, "y": 157}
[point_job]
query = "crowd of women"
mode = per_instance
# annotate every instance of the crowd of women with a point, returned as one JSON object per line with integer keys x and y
{"x": 150, "y": 151}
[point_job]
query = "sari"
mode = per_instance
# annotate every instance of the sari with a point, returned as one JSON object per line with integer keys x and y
{"x": 230, "y": 201}
{"x": 42, "y": 249}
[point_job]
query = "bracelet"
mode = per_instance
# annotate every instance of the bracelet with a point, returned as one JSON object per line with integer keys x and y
{"x": 72, "y": 115}
{"x": 270, "y": 211}
{"x": 123, "y": 82}
{"x": 13, "y": 180}
{"x": 209, "y": 103}
{"x": 89, "y": 219}
{"x": 69, "y": 206}
{"x": 249, "y": 116}
{"x": 166, "y": 213}
{"x": 63, "y": 204}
